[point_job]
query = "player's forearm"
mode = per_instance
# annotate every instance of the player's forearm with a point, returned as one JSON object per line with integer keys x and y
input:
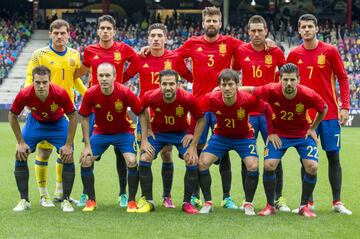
{"x": 319, "y": 117}
{"x": 344, "y": 93}
{"x": 249, "y": 89}
{"x": 85, "y": 127}
{"x": 144, "y": 123}
{"x": 199, "y": 127}
{"x": 71, "y": 129}
{"x": 15, "y": 126}
{"x": 79, "y": 86}
{"x": 81, "y": 71}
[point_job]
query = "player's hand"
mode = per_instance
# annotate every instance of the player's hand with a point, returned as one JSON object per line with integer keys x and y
{"x": 22, "y": 151}
{"x": 186, "y": 140}
{"x": 66, "y": 153}
{"x": 144, "y": 51}
{"x": 191, "y": 157}
{"x": 344, "y": 116}
{"x": 312, "y": 134}
{"x": 147, "y": 148}
{"x": 275, "y": 140}
{"x": 85, "y": 155}
{"x": 269, "y": 44}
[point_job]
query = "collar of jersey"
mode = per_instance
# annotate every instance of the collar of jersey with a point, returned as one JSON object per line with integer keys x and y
{"x": 60, "y": 53}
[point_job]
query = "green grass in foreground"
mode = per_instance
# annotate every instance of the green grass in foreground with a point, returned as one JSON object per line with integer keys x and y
{"x": 110, "y": 221}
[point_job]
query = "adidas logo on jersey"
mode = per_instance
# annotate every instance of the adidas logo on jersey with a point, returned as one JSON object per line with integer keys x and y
{"x": 277, "y": 103}
{"x": 145, "y": 65}
{"x": 158, "y": 109}
{"x": 96, "y": 57}
{"x": 33, "y": 108}
{"x": 218, "y": 112}
{"x": 247, "y": 59}
{"x": 98, "y": 106}
{"x": 52, "y": 62}
{"x": 199, "y": 49}
{"x": 300, "y": 61}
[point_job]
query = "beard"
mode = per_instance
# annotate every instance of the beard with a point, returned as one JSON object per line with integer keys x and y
{"x": 212, "y": 32}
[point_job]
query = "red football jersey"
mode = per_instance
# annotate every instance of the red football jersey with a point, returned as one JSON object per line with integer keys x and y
{"x": 150, "y": 66}
{"x": 258, "y": 67}
{"x": 318, "y": 68}
{"x": 208, "y": 60}
{"x": 111, "y": 111}
{"x": 56, "y": 104}
{"x": 291, "y": 116}
{"x": 233, "y": 121}
{"x": 173, "y": 117}
{"x": 117, "y": 54}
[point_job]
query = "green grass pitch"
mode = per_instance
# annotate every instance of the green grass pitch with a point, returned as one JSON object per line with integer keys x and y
{"x": 110, "y": 221}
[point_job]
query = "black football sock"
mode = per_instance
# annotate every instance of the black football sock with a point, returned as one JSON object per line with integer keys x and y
{"x": 334, "y": 173}
{"x": 196, "y": 192}
{"x": 308, "y": 186}
{"x": 68, "y": 176}
{"x": 251, "y": 183}
{"x": 88, "y": 180}
{"x": 243, "y": 174}
{"x": 205, "y": 184}
{"x": 146, "y": 179}
{"x": 133, "y": 182}
{"x": 22, "y": 179}
{"x": 167, "y": 172}
{"x": 121, "y": 170}
{"x": 269, "y": 186}
{"x": 311, "y": 197}
{"x": 279, "y": 181}
{"x": 225, "y": 172}
{"x": 191, "y": 178}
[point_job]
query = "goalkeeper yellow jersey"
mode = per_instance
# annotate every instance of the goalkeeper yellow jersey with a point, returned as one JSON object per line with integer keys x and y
{"x": 62, "y": 66}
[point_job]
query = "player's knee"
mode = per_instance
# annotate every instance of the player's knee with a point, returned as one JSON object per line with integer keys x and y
{"x": 203, "y": 165}
{"x": 87, "y": 163}
{"x": 270, "y": 165}
{"x": 311, "y": 167}
{"x": 146, "y": 157}
{"x": 252, "y": 165}
{"x": 131, "y": 163}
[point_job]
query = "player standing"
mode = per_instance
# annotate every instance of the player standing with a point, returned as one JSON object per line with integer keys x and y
{"x": 258, "y": 66}
{"x": 116, "y": 53}
{"x": 48, "y": 103}
{"x": 318, "y": 64}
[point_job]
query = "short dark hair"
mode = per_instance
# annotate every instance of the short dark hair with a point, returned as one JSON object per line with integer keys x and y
{"x": 58, "y": 23}
{"x": 211, "y": 11}
{"x": 257, "y": 19}
{"x": 108, "y": 64}
{"x": 41, "y": 70}
{"x": 158, "y": 26}
{"x": 228, "y": 74}
{"x": 106, "y": 18}
{"x": 169, "y": 73}
{"x": 307, "y": 17}
{"x": 289, "y": 68}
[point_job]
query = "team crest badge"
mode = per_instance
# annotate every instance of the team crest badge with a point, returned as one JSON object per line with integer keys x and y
{"x": 179, "y": 111}
{"x": 299, "y": 108}
{"x": 117, "y": 57}
{"x": 72, "y": 62}
{"x": 118, "y": 105}
{"x": 240, "y": 113}
{"x": 167, "y": 65}
{"x": 54, "y": 107}
{"x": 268, "y": 60}
{"x": 321, "y": 60}
{"x": 266, "y": 152}
{"x": 222, "y": 49}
